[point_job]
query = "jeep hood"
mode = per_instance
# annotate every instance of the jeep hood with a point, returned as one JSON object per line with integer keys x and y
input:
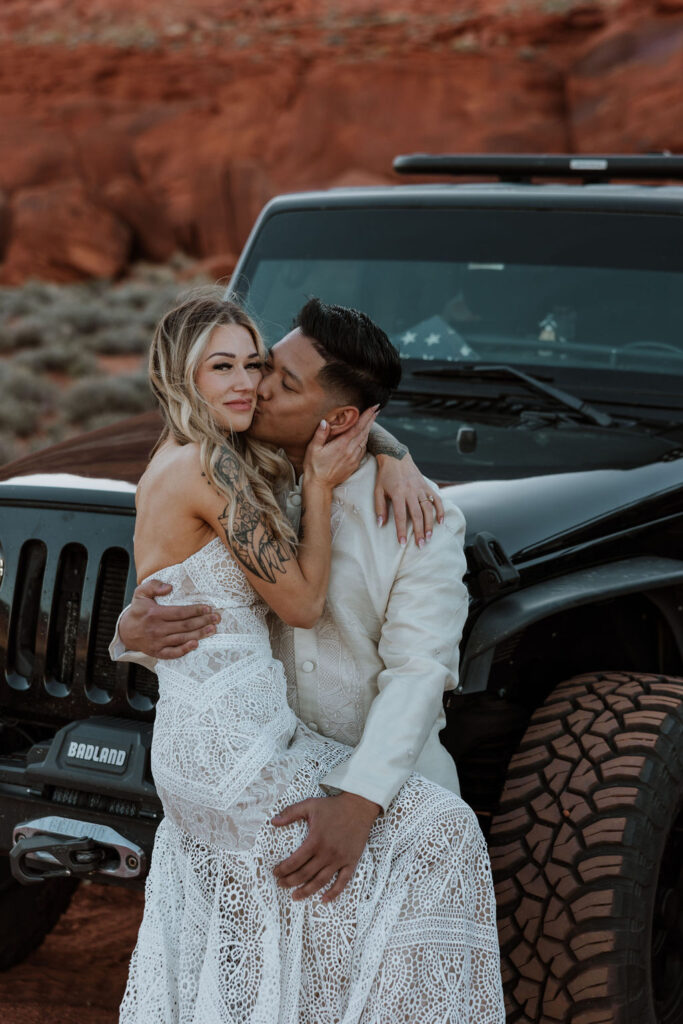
{"x": 529, "y": 516}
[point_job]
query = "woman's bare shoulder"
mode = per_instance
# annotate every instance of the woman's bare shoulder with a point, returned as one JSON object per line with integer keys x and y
{"x": 172, "y": 472}
{"x": 174, "y": 458}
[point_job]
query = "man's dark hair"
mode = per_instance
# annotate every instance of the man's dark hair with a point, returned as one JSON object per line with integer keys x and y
{"x": 361, "y": 364}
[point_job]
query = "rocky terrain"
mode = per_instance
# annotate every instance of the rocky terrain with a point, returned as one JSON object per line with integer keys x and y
{"x": 132, "y": 129}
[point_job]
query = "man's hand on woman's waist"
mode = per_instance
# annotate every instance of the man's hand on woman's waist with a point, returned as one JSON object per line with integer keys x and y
{"x": 164, "y": 631}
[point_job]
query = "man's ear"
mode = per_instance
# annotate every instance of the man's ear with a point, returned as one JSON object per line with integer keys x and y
{"x": 342, "y": 419}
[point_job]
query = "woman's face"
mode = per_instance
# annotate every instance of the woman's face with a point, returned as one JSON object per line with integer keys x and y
{"x": 228, "y": 374}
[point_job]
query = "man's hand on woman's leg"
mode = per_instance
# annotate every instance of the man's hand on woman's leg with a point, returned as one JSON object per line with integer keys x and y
{"x": 338, "y": 829}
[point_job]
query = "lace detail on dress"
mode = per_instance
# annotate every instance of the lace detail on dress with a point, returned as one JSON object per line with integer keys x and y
{"x": 411, "y": 940}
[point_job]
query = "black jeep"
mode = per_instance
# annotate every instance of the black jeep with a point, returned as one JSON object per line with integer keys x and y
{"x": 540, "y": 321}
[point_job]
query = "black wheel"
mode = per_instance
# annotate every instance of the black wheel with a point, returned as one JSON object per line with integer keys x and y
{"x": 28, "y": 913}
{"x": 587, "y": 856}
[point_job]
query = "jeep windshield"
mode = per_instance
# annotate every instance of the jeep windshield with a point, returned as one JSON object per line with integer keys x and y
{"x": 591, "y": 302}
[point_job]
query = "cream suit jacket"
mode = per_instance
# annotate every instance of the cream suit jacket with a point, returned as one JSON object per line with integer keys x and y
{"x": 372, "y": 672}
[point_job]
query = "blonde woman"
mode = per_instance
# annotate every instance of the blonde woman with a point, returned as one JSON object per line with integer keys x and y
{"x": 411, "y": 938}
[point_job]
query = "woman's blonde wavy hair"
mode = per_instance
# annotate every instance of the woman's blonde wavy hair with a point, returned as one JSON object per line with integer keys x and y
{"x": 179, "y": 341}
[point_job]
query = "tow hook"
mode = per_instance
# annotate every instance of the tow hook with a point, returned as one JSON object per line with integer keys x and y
{"x": 58, "y": 847}
{"x": 35, "y": 858}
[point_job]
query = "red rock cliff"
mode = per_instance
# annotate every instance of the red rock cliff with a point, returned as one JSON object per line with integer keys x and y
{"x": 131, "y": 128}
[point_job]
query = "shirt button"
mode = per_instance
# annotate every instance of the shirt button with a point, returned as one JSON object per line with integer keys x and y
{"x": 295, "y": 499}
{"x": 313, "y": 726}
{"x": 307, "y": 666}
{"x": 410, "y": 752}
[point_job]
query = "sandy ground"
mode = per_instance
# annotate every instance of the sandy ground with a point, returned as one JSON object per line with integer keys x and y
{"x": 79, "y": 973}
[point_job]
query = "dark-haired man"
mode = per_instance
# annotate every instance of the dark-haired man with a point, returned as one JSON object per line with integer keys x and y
{"x": 372, "y": 672}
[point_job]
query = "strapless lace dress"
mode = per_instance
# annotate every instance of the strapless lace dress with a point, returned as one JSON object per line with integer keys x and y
{"x": 412, "y": 938}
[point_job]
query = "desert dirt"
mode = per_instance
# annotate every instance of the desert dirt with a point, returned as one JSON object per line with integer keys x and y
{"x": 79, "y": 973}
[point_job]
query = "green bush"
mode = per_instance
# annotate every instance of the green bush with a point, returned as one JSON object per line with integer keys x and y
{"x": 48, "y": 329}
{"x": 133, "y": 295}
{"x": 30, "y": 332}
{"x": 17, "y": 417}
{"x": 14, "y": 303}
{"x": 16, "y": 382}
{"x": 93, "y": 395}
{"x": 6, "y": 339}
{"x": 131, "y": 340}
{"x": 8, "y": 448}
{"x": 38, "y": 294}
{"x": 84, "y": 318}
{"x": 101, "y": 419}
{"x": 58, "y": 358}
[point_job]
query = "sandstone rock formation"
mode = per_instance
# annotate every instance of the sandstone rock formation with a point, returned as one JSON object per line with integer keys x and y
{"x": 131, "y": 128}
{"x": 59, "y": 232}
{"x": 625, "y": 90}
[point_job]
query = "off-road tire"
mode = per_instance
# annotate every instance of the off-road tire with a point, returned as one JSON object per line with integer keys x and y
{"x": 587, "y": 856}
{"x": 28, "y": 913}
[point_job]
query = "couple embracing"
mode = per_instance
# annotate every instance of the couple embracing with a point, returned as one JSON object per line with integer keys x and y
{"x": 315, "y": 864}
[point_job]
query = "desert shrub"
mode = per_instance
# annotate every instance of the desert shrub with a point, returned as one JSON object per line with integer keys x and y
{"x": 58, "y": 358}
{"x": 30, "y": 332}
{"x": 13, "y": 303}
{"x": 8, "y": 448}
{"x": 153, "y": 314}
{"x": 36, "y": 294}
{"x": 159, "y": 302}
{"x": 131, "y": 340}
{"x": 93, "y": 395}
{"x": 6, "y": 339}
{"x": 83, "y": 318}
{"x": 19, "y": 383}
{"x": 101, "y": 419}
{"x": 52, "y": 433}
{"x": 133, "y": 295}
{"x": 62, "y": 329}
{"x": 156, "y": 274}
{"x": 17, "y": 417}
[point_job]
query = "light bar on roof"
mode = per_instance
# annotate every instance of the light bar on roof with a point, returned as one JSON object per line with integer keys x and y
{"x": 524, "y": 166}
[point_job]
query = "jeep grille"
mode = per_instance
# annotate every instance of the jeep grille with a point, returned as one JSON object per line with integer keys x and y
{"x": 67, "y": 576}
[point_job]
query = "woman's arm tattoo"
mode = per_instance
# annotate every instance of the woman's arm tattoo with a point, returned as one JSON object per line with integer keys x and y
{"x": 264, "y": 555}
{"x": 381, "y": 442}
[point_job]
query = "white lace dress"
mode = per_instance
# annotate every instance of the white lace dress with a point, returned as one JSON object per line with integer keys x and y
{"x": 412, "y": 938}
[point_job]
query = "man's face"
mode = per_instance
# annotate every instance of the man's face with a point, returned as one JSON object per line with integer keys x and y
{"x": 290, "y": 400}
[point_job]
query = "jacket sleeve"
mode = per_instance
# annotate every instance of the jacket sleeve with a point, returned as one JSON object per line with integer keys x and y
{"x": 117, "y": 652}
{"x": 419, "y": 647}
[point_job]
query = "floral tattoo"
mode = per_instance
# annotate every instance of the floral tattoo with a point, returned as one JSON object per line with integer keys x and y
{"x": 250, "y": 540}
{"x": 381, "y": 442}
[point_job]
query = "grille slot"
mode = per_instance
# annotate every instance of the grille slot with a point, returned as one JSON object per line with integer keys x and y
{"x": 109, "y": 600}
{"x": 144, "y": 687}
{"x": 21, "y": 647}
{"x": 62, "y": 643}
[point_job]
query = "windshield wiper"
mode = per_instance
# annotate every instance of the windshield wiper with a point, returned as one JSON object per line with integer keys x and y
{"x": 589, "y": 412}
